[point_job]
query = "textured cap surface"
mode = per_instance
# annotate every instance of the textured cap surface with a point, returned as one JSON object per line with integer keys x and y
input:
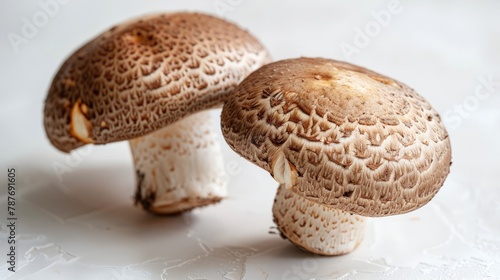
{"x": 142, "y": 75}
{"x": 340, "y": 135}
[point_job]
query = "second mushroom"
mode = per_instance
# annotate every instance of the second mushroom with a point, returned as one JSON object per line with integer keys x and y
{"x": 344, "y": 142}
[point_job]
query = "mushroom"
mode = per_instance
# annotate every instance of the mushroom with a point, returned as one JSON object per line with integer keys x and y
{"x": 150, "y": 81}
{"x": 344, "y": 143}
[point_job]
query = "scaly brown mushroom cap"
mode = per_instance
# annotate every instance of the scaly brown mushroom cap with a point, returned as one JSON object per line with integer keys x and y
{"x": 147, "y": 81}
{"x": 340, "y": 135}
{"x": 145, "y": 74}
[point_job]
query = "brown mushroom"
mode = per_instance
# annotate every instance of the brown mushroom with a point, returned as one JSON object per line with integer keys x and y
{"x": 147, "y": 81}
{"x": 343, "y": 142}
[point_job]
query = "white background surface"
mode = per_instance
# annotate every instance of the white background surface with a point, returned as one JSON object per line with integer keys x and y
{"x": 84, "y": 226}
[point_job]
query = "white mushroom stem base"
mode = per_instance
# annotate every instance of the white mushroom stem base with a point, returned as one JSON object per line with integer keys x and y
{"x": 314, "y": 227}
{"x": 179, "y": 167}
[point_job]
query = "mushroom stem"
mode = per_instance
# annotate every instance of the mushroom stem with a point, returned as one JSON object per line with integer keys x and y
{"x": 179, "y": 167}
{"x": 315, "y": 227}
